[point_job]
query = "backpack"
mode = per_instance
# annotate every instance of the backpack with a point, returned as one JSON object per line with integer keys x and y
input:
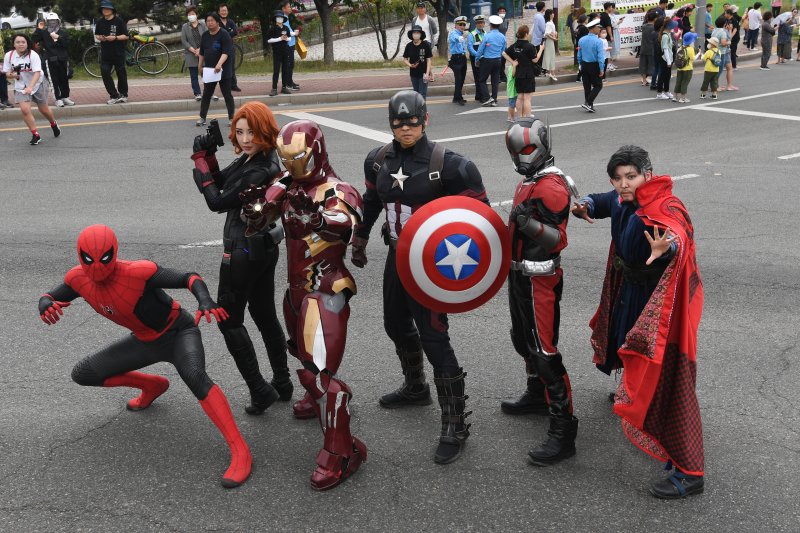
{"x": 681, "y": 58}
{"x": 716, "y": 59}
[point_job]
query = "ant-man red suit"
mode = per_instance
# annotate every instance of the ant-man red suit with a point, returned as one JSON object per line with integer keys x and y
{"x": 130, "y": 293}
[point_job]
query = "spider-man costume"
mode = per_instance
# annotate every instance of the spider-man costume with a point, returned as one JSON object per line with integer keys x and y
{"x": 130, "y": 293}
{"x": 319, "y": 212}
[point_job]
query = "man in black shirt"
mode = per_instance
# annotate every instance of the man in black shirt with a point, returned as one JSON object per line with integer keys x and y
{"x": 417, "y": 58}
{"x": 112, "y": 32}
{"x": 400, "y": 178}
{"x": 230, "y": 26}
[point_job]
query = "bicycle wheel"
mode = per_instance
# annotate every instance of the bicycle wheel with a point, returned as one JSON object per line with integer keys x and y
{"x": 152, "y": 58}
{"x": 91, "y": 61}
{"x": 238, "y": 54}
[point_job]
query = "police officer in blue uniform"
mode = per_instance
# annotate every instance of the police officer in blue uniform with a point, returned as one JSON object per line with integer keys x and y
{"x": 401, "y": 177}
{"x": 457, "y": 40}
{"x": 474, "y": 39}
{"x": 488, "y": 57}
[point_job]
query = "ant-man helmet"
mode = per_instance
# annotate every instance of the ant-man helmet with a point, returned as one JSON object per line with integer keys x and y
{"x": 528, "y": 142}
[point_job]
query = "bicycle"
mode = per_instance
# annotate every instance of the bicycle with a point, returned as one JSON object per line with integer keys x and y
{"x": 238, "y": 54}
{"x": 147, "y": 53}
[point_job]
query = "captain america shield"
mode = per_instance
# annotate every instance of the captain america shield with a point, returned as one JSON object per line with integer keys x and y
{"x": 453, "y": 254}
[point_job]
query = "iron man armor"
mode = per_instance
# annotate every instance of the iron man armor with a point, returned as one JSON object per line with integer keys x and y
{"x": 319, "y": 213}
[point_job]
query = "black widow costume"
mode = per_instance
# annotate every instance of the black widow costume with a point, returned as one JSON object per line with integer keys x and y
{"x": 247, "y": 271}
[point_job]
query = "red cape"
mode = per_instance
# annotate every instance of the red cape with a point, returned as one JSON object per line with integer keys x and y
{"x": 656, "y": 397}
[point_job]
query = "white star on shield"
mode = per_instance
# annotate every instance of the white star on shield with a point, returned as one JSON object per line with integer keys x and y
{"x": 399, "y": 178}
{"x": 457, "y": 257}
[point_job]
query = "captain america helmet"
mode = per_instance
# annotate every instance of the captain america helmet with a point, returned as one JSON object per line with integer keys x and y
{"x": 408, "y": 107}
{"x": 528, "y": 141}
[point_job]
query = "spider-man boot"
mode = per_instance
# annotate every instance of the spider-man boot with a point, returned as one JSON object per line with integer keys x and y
{"x": 152, "y": 387}
{"x": 219, "y": 411}
{"x": 341, "y": 453}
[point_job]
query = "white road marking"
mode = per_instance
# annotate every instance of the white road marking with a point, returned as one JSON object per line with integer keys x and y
{"x": 790, "y": 156}
{"x": 347, "y": 127}
{"x": 504, "y": 203}
{"x": 685, "y": 177}
{"x": 500, "y": 108}
{"x": 645, "y": 113}
{"x": 203, "y": 244}
{"x": 750, "y": 113}
{"x": 540, "y": 108}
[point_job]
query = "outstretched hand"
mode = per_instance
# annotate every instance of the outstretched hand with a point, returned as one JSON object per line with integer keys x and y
{"x": 582, "y": 211}
{"x": 208, "y": 310}
{"x": 54, "y": 312}
{"x": 659, "y": 244}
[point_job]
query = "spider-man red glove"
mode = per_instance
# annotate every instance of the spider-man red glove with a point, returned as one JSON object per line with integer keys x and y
{"x": 205, "y": 305}
{"x": 51, "y": 311}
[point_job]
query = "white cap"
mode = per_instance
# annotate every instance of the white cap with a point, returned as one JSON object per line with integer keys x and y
{"x": 593, "y": 23}
{"x": 51, "y": 16}
{"x": 495, "y": 20}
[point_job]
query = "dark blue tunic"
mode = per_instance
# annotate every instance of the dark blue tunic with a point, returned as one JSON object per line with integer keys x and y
{"x": 627, "y": 234}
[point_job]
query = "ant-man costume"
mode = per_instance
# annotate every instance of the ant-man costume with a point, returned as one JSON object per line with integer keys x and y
{"x": 538, "y": 227}
{"x": 130, "y": 293}
{"x": 319, "y": 212}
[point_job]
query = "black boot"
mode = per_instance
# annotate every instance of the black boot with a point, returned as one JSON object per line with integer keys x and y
{"x": 262, "y": 395}
{"x": 560, "y": 442}
{"x": 678, "y": 485}
{"x": 414, "y": 391}
{"x": 452, "y": 400}
{"x": 532, "y": 401}
{"x": 278, "y": 361}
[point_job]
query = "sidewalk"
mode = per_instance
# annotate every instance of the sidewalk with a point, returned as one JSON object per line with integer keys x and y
{"x": 163, "y": 94}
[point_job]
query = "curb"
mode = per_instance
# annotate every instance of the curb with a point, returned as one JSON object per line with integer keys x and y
{"x": 189, "y": 105}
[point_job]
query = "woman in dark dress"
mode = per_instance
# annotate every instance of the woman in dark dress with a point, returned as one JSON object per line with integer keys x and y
{"x": 216, "y": 52}
{"x": 522, "y": 54}
{"x": 247, "y": 272}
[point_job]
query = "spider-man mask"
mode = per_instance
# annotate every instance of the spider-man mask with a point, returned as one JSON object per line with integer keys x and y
{"x": 97, "y": 251}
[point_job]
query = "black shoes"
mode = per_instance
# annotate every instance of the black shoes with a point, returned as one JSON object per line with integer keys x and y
{"x": 560, "y": 443}
{"x": 35, "y": 139}
{"x": 56, "y": 129}
{"x": 284, "y": 387}
{"x": 274, "y": 92}
{"x": 406, "y": 395}
{"x": 286, "y": 90}
{"x": 532, "y": 401}
{"x": 259, "y": 402}
{"x": 460, "y": 102}
{"x": 294, "y": 86}
{"x": 414, "y": 391}
{"x": 236, "y": 89}
{"x": 676, "y": 486}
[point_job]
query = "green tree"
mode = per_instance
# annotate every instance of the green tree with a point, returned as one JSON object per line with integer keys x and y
{"x": 325, "y": 9}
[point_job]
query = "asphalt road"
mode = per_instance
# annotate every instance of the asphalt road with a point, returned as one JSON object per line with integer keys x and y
{"x": 75, "y": 459}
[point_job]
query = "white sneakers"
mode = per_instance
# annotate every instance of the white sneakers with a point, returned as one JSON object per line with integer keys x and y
{"x": 59, "y": 103}
{"x": 67, "y": 102}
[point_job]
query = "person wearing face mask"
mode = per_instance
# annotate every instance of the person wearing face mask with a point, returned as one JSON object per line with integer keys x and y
{"x": 191, "y": 34}
{"x": 216, "y": 52}
{"x": 112, "y": 32}
{"x": 417, "y": 57}
{"x": 53, "y": 41}
{"x": 247, "y": 271}
{"x": 401, "y": 177}
{"x": 647, "y": 320}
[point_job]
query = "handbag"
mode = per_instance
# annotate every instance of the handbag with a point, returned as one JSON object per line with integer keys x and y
{"x": 300, "y": 46}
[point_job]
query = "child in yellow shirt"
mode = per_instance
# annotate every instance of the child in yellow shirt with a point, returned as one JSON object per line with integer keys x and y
{"x": 686, "y": 52}
{"x": 713, "y": 60}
